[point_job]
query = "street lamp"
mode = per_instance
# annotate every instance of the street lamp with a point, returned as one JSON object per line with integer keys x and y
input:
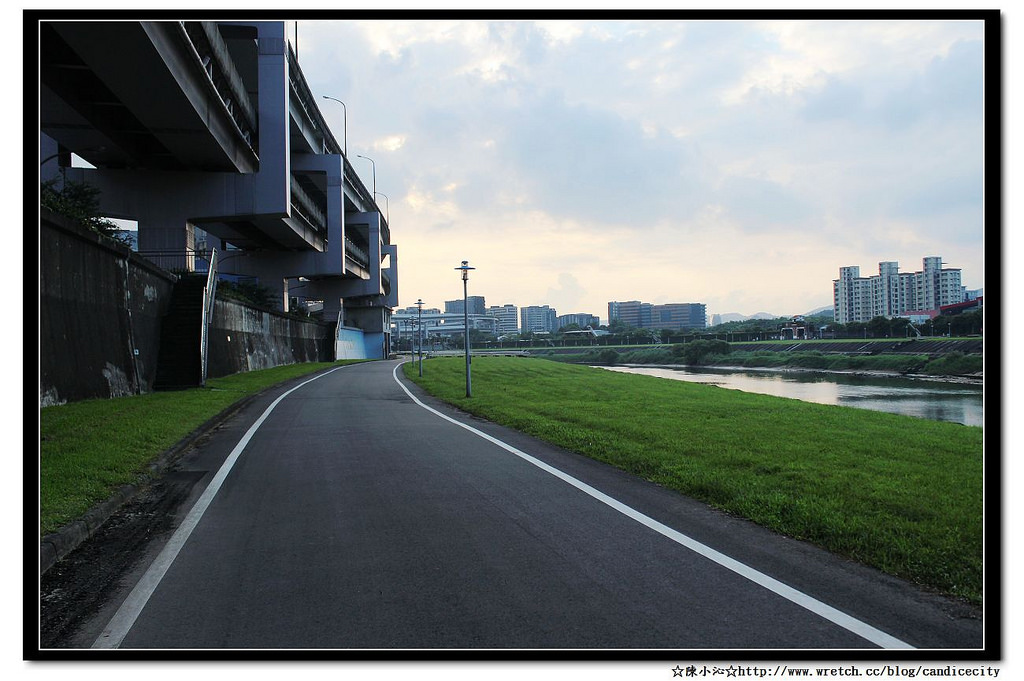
{"x": 344, "y": 110}
{"x": 387, "y": 205}
{"x": 373, "y": 171}
{"x": 419, "y": 333}
{"x": 465, "y": 316}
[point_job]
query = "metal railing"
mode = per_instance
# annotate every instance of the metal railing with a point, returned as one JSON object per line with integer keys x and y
{"x": 182, "y": 260}
{"x": 209, "y": 296}
{"x": 212, "y": 53}
{"x": 354, "y": 252}
{"x": 307, "y": 207}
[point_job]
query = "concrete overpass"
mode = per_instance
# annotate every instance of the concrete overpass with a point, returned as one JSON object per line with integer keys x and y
{"x": 206, "y": 132}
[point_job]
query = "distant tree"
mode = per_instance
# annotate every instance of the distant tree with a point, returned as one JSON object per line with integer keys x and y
{"x": 877, "y": 327}
{"x": 617, "y": 326}
{"x": 699, "y": 350}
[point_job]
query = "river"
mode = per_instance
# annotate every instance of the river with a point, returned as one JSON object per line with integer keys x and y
{"x": 929, "y": 399}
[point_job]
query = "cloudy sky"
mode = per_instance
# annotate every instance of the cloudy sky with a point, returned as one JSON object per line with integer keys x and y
{"x": 735, "y": 163}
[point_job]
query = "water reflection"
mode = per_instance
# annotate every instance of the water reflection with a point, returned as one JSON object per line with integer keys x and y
{"x": 936, "y": 400}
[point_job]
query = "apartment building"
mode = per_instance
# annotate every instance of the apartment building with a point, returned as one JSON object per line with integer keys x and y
{"x": 507, "y": 317}
{"x": 538, "y": 319}
{"x": 892, "y": 293}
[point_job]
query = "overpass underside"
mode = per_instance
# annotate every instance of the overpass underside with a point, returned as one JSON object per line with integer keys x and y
{"x": 207, "y": 135}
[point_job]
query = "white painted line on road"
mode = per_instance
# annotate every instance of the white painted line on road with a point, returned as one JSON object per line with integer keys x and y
{"x": 862, "y": 629}
{"x": 125, "y": 617}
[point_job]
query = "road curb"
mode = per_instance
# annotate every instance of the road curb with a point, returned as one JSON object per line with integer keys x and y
{"x": 56, "y": 545}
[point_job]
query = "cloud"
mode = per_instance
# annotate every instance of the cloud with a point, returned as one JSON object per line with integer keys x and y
{"x": 618, "y": 146}
{"x": 757, "y": 203}
{"x": 566, "y": 297}
{"x": 836, "y": 99}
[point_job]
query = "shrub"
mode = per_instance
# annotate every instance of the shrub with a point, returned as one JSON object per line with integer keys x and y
{"x": 699, "y": 351}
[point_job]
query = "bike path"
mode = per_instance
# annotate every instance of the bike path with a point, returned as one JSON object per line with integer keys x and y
{"x": 355, "y": 518}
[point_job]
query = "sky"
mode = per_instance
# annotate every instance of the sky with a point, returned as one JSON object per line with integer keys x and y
{"x": 735, "y": 163}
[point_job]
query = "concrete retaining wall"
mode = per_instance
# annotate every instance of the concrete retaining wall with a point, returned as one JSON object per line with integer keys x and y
{"x": 244, "y": 338}
{"x": 100, "y": 308}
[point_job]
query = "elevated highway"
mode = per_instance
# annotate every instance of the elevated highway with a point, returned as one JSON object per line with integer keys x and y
{"x": 208, "y": 136}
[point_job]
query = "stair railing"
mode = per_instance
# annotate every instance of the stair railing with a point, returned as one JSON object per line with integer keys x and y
{"x": 209, "y": 295}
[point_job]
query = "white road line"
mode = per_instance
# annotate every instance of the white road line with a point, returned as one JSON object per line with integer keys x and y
{"x": 862, "y": 629}
{"x": 125, "y": 617}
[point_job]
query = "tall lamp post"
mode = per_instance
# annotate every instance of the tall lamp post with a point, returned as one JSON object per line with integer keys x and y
{"x": 419, "y": 332}
{"x": 465, "y": 316}
{"x": 344, "y": 111}
{"x": 373, "y": 175}
{"x": 387, "y": 206}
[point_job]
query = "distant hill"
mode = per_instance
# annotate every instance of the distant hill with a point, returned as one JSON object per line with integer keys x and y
{"x": 737, "y": 317}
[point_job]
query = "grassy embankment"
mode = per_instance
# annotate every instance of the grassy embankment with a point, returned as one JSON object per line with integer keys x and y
{"x": 952, "y": 364}
{"x": 895, "y": 492}
{"x": 91, "y": 448}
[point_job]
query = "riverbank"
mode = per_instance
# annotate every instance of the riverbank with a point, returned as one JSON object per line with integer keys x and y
{"x": 973, "y": 379}
{"x": 953, "y": 365}
{"x": 903, "y": 495}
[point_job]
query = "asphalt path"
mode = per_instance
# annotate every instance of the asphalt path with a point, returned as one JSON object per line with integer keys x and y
{"x": 352, "y": 513}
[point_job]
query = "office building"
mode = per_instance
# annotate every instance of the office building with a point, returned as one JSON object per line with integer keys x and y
{"x": 675, "y": 316}
{"x": 581, "y": 319}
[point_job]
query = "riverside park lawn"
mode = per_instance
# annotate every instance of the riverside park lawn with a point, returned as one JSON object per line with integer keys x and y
{"x": 898, "y": 493}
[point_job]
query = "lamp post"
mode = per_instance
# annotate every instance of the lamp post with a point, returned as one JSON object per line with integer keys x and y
{"x": 373, "y": 171}
{"x": 344, "y": 110}
{"x": 387, "y": 206}
{"x": 419, "y": 332}
{"x": 465, "y": 316}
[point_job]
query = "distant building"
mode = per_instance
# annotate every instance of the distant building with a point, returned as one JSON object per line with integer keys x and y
{"x": 507, "y": 317}
{"x": 679, "y": 316}
{"x": 538, "y": 319}
{"x": 675, "y": 316}
{"x": 631, "y": 312}
{"x": 891, "y": 293}
{"x": 476, "y": 306}
{"x": 581, "y": 319}
{"x": 436, "y": 324}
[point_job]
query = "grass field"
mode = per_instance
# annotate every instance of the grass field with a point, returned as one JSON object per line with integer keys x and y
{"x": 89, "y": 449}
{"x": 898, "y": 493}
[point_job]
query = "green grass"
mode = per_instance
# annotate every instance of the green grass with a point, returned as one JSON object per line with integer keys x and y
{"x": 954, "y": 364}
{"x": 898, "y": 493}
{"x": 91, "y": 448}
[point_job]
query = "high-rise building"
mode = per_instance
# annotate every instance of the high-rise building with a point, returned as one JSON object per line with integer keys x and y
{"x": 476, "y": 305}
{"x": 538, "y": 319}
{"x": 891, "y": 293}
{"x": 507, "y": 316}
